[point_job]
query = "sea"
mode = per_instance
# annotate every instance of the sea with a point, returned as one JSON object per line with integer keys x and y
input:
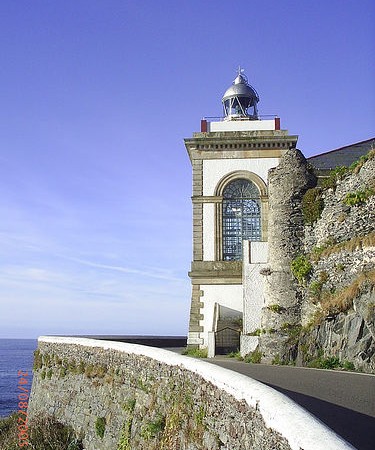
{"x": 16, "y": 358}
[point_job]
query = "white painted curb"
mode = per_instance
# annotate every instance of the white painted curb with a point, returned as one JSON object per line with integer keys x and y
{"x": 301, "y": 429}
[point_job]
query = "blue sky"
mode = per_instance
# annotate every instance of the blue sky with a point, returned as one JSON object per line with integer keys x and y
{"x": 96, "y": 98}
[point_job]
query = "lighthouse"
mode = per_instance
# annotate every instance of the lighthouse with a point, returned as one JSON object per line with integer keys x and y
{"x": 230, "y": 157}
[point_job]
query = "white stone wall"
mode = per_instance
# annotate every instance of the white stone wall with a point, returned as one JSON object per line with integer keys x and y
{"x": 229, "y": 295}
{"x": 253, "y": 292}
{"x": 215, "y": 169}
{"x": 208, "y": 232}
{"x": 242, "y": 125}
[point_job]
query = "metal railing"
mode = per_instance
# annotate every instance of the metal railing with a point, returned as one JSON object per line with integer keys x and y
{"x": 222, "y": 118}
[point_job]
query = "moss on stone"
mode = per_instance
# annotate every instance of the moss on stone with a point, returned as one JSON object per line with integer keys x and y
{"x": 301, "y": 268}
{"x": 312, "y": 205}
{"x": 100, "y": 425}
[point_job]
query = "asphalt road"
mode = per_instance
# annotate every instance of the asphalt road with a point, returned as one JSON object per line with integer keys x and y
{"x": 344, "y": 401}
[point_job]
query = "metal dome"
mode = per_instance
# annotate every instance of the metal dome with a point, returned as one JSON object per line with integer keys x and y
{"x": 238, "y": 98}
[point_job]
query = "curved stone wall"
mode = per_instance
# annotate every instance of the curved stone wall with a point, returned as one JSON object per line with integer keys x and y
{"x": 148, "y": 398}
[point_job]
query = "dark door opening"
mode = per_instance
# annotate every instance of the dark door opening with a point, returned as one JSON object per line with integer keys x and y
{"x": 227, "y": 340}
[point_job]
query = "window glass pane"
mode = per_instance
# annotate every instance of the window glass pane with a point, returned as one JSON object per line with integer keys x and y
{"x": 241, "y": 217}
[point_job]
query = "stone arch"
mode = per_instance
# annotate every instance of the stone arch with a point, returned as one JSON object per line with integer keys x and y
{"x": 247, "y": 175}
{"x": 219, "y": 191}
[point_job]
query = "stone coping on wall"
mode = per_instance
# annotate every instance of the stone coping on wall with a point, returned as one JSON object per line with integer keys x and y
{"x": 301, "y": 429}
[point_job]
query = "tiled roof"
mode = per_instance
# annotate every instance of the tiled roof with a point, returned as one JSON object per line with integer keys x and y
{"x": 343, "y": 156}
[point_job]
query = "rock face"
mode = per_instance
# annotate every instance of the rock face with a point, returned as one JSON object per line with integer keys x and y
{"x": 349, "y": 336}
{"x": 287, "y": 184}
{"x": 329, "y": 312}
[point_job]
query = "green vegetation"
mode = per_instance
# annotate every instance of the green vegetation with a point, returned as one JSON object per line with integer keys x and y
{"x": 142, "y": 385}
{"x": 160, "y": 426}
{"x": 44, "y": 433}
{"x": 275, "y": 308}
{"x": 348, "y": 365}
{"x": 195, "y": 352}
{"x": 330, "y": 247}
{"x": 49, "y": 361}
{"x": 38, "y": 361}
{"x": 100, "y": 424}
{"x": 153, "y": 428}
{"x": 9, "y": 432}
{"x": 129, "y": 405}
{"x": 236, "y": 355}
{"x": 301, "y": 268}
{"x": 257, "y": 332}
{"x": 342, "y": 301}
{"x": 339, "y": 267}
{"x": 334, "y": 176}
{"x": 358, "y": 197}
{"x": 277, "y": 361}
{"x": 124, "y": 442}
{"x": 292, "y": 329}
{"x": 312, "y": 205}
{"x": 356, "y": 166}
{"x": 332, "y": 362}
{"x": 254, "y": 357}
{"x": 341, "y": 172}
{"x": 316, "y": 287}
{"x": 95, "y": 371}
{"x": 200, "y": 415}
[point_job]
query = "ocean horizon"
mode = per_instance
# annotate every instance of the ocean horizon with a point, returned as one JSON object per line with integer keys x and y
{"x": 16, "y": 357}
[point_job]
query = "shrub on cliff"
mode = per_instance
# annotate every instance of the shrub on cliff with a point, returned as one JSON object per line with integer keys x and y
{"x": 44, "y": 433}
{"x": 358, "y": 197}
{"x": 340, "y": 172}
{"x": 334, "y": 176}
{"x": 357, "y": 165}
{"x": 312, "y": 205}
{"x": 301, "y": 268}
{"x": 341, "y": 301}
{"x": 9, "y": 432}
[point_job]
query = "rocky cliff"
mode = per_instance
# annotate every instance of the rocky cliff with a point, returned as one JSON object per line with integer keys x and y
{"x": 320, "y": 296}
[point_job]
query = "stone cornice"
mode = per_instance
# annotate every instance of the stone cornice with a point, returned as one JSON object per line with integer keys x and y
{"x": 235, "y": 154}
{"x": 254, "y": 144}
{"x": 216, "y": 272}
{"x": 207, "y": 199}
{"x": 222, "y": 135}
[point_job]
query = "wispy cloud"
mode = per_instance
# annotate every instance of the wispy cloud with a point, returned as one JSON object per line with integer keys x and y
{"x": 153, "y": 273}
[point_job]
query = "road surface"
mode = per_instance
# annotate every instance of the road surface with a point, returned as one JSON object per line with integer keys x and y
{"x": 344, "y": 401}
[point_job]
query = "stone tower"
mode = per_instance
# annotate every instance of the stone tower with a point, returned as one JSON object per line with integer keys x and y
{"x": 230, "y": 158}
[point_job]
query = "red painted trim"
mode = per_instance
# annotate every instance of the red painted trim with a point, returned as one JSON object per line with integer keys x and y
{"x": 204, "y": 126}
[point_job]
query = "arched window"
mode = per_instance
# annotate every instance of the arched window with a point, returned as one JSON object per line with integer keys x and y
{"x": 241, "y": 217}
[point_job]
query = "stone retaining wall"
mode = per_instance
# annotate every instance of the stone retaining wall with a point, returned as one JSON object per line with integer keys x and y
{"x": 150, "y": 398}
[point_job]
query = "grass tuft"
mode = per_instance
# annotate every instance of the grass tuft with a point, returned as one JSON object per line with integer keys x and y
{"x": 342, "y": 301}
{"x": 195, "y": 352}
